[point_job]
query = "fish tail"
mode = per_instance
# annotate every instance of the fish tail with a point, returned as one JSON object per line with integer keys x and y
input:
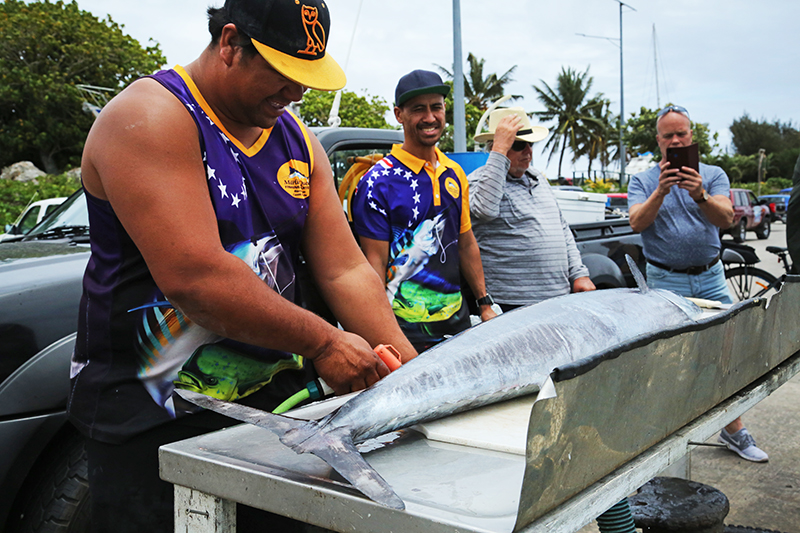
{"x": 336, "y": 448}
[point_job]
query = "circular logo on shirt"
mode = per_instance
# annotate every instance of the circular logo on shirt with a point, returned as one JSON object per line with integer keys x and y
{"x": 452, "y": 187}
{"x": 293, "y": 178}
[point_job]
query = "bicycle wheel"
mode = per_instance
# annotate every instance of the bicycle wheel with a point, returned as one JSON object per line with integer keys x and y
{"x": 748, "y": 282}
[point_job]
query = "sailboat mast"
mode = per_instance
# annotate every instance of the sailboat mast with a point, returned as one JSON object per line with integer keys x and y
{"x": 655, "y": 61}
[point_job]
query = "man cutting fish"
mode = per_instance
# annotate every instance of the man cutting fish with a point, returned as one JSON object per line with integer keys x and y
{"x": 203, "y": 191}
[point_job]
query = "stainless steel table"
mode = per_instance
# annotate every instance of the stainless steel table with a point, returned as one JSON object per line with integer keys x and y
{"x": 575, "y": 465}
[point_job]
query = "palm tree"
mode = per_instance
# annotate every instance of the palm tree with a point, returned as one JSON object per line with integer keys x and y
{"x": 480, "y": 91}
{"x": 569, "y": 107}
{"x": 596, "y": 140}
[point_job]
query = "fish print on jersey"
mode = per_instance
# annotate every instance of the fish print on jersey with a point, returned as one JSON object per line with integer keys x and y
{"x": 175, "y": 352}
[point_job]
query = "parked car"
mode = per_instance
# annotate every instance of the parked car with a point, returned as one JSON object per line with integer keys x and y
{"x": 748, "y": 215}
{"x": 30, "y": 216}
{"x": 777, "y": 203}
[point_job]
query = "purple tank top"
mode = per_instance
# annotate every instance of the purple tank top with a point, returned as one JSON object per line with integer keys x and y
{"x": 133, "y": 348}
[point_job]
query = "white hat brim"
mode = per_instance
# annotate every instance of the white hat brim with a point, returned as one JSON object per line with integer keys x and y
{"x": 537, "y": 134}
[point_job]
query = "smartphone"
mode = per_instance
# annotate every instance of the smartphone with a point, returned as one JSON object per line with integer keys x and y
{"x": 684, "y": 156}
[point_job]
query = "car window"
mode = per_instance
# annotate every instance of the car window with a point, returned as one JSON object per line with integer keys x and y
{"x": 51, "y": 208}
{"x": 350, "y": 164}
{"x": 29, "y": 220}
{"x": 72, "y": 212}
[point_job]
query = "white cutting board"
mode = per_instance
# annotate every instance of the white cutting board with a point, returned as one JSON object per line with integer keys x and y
{"x": 501, "y": 426}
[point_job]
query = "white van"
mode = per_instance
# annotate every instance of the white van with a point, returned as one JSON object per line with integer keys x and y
{"x": 32, "y": 215}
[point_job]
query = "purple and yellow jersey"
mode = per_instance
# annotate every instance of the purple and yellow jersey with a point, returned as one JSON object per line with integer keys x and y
{"x": 133, "y": 347}
{"x": 420, "y": 211}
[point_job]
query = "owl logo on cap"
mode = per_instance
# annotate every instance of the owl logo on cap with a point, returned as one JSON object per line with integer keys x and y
{"x": 315, "y": 33}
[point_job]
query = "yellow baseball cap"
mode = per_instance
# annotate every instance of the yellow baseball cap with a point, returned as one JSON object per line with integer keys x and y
{"x": 292, "y": 35}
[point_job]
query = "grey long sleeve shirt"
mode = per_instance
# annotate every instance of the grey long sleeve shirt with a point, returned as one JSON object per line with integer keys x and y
{"x": 527, "y": 249}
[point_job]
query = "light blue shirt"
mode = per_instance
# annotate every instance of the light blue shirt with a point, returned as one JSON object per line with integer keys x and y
{"x": 681, "y": 236}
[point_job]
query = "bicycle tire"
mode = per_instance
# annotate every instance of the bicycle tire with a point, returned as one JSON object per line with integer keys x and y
{"x": 749, "y": 282}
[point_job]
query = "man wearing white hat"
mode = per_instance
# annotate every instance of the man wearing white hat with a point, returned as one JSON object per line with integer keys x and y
{"x": 527, "y": 248}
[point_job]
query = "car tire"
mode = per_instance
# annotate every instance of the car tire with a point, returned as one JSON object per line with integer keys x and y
{"x": 740, "y": 231}
{"x": 763, "y": 231}
{"x": 56, "y": 497}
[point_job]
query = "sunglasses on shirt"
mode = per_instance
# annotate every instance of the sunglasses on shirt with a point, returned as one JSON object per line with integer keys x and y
{"x": 519, "y": 146}
{"x": 675, "y": 108}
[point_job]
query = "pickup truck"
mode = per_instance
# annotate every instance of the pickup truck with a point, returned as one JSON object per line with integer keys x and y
{"x": 749, "y": 214}
{"x": 32, "y": 215}
{"x": 43, "y": 467}
{"x": 778, "y": 205}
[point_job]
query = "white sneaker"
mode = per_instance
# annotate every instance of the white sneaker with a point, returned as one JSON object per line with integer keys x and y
{"x": 743, "y": 443}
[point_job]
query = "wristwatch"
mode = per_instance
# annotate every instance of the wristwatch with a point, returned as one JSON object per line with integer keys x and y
{"x": 486, "y": 300}
{"x": 703, "y": 198}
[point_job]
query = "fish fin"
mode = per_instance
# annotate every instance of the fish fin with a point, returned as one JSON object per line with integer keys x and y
{"x": 307, "y": 436}
{"x": 337, "y": 449}
{"x": 637, "y": 275}
{"x": 275, "y": 423}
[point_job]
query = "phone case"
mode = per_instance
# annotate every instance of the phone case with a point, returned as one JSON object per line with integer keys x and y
{"x": 684, "y": 156}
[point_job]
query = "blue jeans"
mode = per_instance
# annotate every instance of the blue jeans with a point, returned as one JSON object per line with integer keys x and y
{"x": 710, "y": 285}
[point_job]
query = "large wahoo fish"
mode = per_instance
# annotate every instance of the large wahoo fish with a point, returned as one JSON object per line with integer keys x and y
{"x": 509, "y": 356}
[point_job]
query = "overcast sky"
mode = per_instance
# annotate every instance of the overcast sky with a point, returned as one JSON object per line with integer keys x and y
{"x": 717, "y": 58}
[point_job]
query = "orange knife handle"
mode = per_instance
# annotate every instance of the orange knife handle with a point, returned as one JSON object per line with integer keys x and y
{"x": 389, "y": 355}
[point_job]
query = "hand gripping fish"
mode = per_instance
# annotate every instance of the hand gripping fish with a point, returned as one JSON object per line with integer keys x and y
{"x": 509, "y": 356}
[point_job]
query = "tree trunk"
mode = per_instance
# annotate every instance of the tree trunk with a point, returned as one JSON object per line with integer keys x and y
{"x": 561, "y": 156}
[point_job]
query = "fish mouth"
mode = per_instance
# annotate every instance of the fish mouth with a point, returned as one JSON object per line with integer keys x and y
{"x": 187, "y": 381}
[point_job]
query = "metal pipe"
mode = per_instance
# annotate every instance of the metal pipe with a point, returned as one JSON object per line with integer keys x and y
{"x": 459, "y": 115}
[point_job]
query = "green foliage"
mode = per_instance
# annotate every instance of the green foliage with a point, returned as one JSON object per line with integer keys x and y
{"x": 480, "y": 91}
{"x": 472, "y": 117}
{"x": 640, "y": 134}
{"x": 46, "y": 50}
{"x": 598, "y": 140}
{"x": 575, "y": 113}
{"x": 355, "y": 111}
{"x": 739, "y": 168}
{"x": 779, "y": 183}
{"x": 751, "y": 135}
{"x": 16, "y": 195}
{"x": 781, "y": 164}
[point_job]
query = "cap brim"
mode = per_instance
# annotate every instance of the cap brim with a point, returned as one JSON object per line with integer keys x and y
{"x": 537, "y": 134}
{"x": 444, "y": 90}
{"x": 323, "y": 74}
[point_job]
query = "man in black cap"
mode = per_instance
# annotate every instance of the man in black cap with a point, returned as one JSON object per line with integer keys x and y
{"x": 203, "y": 190}
{"x": 411, "y": 213}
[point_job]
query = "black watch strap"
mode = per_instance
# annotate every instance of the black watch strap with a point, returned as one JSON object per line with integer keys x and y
{"x": 486, "y": 300}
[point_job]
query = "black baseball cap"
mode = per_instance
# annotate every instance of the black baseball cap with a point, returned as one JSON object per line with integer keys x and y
{"x": 419, "y": 82}
{"x": 292, "y": 35}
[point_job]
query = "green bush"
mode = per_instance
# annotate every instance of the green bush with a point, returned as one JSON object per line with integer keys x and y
{"x": 16, "y": 195}
{"x": 779, "y": 183}
{"x": 766, "y": 188}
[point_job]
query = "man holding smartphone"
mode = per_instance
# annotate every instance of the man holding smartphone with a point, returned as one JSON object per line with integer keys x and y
{"x": 679, "y": 212}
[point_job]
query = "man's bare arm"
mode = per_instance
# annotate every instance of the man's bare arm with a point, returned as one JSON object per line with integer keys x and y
{"x": 377, "y": 254}
{"x": 644, "y": 214}
{"x": 469, "y": 257}
{"x": 718, "y": 208}
{"x": 143, "y": 155}
{"x": 349, "y": 284}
